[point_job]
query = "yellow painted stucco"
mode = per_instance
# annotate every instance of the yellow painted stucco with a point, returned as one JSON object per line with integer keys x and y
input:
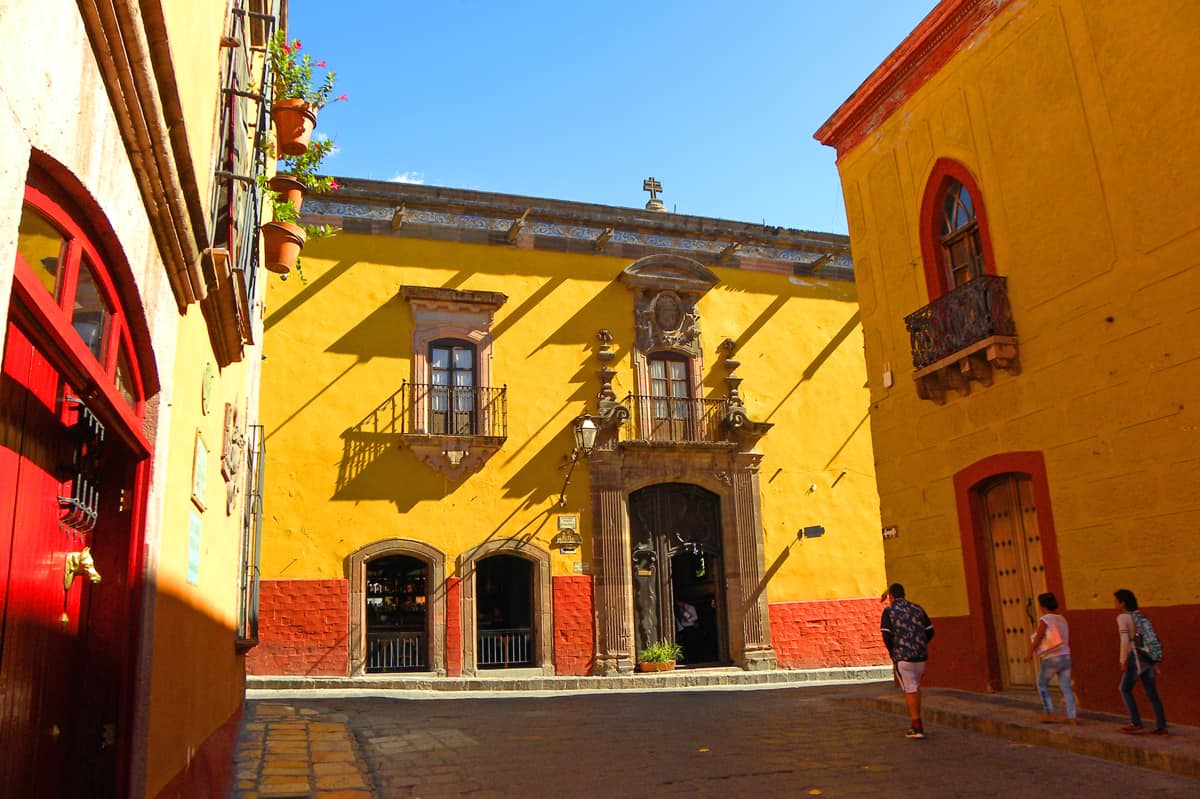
{"x": 339, "y": 346}
{"x": 197, "y": 677}
{"x": 1081, "y": 147}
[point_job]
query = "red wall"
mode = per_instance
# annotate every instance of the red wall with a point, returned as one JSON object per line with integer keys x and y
{"x": 574, "y": 625}
{"x": 837, "y": 632}
{"x": 454, "y": 627}
{"x": 209, "y": 775}
{"x": 956, "y": 662}
{"x": 303, "y": 628}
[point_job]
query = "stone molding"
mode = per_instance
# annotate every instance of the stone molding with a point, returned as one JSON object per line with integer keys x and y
{"x": 435, "y": 620}
{"x": 543, "y": 618}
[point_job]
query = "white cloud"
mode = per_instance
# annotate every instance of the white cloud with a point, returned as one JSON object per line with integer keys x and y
{"x": 408, "y": 177}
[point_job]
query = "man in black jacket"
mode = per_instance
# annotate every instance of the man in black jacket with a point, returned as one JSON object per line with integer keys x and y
{"x": 907, "y": 632}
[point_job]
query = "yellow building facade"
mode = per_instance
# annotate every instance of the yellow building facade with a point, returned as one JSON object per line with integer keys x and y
{"x": 506, "y": 432}
{"x": 1015, "y": 177}
{"x": 128, "y": 407}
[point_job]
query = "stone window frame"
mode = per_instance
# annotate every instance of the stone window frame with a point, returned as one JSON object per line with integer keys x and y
{"x": 542, "y": 611}
{"x": 435, "y": 582}
{"x": 441, "y": 313}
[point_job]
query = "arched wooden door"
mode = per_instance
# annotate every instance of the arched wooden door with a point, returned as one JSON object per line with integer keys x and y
{"x": 72, "y": 462}
{"x": 1017, "y": 571}
{"x": 675, "y": 534}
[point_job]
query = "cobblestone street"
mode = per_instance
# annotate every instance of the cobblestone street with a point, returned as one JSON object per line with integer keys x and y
{"x": 762, "y": 743}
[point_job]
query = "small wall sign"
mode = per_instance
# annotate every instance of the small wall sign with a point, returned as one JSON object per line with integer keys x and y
{"x": 568, "y": 521}
{"x": 199, "y": 471}
{"x": 890, "y": 532}
{"x": 567, "y": 542}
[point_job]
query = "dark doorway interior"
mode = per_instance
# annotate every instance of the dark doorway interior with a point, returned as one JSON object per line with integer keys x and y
{"x": 504, "y": 608}
{"x": 397, "y": 609}
{"x": 692, "y": 583}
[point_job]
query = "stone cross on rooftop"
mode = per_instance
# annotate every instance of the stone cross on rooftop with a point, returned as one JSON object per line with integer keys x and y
{"x": 654, "y": 187}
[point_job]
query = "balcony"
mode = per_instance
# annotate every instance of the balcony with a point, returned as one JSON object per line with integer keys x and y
{"x": 679, "y": 420}
{"x": 960, "y": 337}
{"x": 452, "y": 428}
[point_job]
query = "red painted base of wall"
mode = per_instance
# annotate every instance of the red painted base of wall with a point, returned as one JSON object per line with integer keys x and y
{"x": 210, "y": 774}
{"x": 574, "y": 625}
{"x": 303, "y": 628}
{"x": 959, "y": 657}
{"x": 454, "y": 627}
{"x": 837, "y": 632}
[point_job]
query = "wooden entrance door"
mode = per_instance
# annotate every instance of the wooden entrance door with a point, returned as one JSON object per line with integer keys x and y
{"x": 61, "y": 647}
{"x": 677, "y": 526}
{"x": 1017, "y": 572}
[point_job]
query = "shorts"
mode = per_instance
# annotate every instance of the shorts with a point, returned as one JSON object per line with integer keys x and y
{"x": 910, "y": 673}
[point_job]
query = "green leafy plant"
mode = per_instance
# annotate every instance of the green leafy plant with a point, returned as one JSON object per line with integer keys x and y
{"x": 661, "y": 652}
{"x": 284, "y": 211}
{"x": 293, "y": 74}
{"x": 305, "y": 168}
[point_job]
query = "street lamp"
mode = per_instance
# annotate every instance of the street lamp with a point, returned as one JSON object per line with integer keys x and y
{"x": 585, "y": 436}
{"x": 585, "y": 431}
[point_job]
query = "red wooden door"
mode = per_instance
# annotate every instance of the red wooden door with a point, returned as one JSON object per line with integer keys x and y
{"x": 44, "y": 679}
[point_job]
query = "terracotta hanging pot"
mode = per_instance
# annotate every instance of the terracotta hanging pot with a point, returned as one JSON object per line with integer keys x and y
{"x": 294, "y": 121}
{"x": 289, "y": 190}
{"x": 282, "y": 243}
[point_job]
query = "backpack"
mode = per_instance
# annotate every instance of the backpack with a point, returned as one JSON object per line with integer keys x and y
{"x": 1144, "y": 639}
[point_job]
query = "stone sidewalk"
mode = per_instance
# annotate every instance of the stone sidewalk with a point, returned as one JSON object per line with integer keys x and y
{"x": 1016, "y": 717}
{"x": 288, "y": 752}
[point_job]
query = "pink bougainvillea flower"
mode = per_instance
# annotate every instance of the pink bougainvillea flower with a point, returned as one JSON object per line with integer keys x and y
{"x": 296, "y": 44}
{"x": 320, "y": 63}
{"x": 343, "y": 98}
{"x": 333, "y": 184}
{"x": 285, "y": 48}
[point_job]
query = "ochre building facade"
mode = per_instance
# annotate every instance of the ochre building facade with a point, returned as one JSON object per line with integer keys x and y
{"x": 128, "y": 396}
{"x": 1016, "y": 177}
{"x": 514, "y": 433}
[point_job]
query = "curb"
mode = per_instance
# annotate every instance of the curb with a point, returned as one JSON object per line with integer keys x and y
{"x": 707, "y": 678}
{"x": 1169, "y": 755}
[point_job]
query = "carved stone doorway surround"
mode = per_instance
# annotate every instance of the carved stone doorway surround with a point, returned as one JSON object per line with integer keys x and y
{"x": 667, "y": 289}
{"x": 542, "y": 617}
{"x": 435, "y": 619}
{"x": 616, "y": 472}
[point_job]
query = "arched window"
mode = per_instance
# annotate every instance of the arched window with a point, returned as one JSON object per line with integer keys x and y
{"x": 954, "y": 233}
{"x": 962, "y": 253}
{"x": 67, "y": 279}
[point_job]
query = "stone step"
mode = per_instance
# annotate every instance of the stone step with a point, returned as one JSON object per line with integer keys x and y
{"x": 530, "y": 680}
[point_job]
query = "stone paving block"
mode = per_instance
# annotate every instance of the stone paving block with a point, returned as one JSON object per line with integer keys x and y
{"x": 340, "y": 755}
{"x": 341, "y": 781}
{"x": 323, "y": 769}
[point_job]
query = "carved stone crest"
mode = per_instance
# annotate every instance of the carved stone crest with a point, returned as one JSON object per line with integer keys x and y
{"x": 667, "y": 319}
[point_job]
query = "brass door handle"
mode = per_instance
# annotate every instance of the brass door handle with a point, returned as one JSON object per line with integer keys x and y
{"x": 77, "y": 563}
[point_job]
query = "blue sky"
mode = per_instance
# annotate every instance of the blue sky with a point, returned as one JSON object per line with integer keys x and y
{"x": 581, "y": 101}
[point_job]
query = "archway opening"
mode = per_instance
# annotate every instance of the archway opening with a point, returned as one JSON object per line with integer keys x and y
{"x": 397, "y": 615}
{"x": 504, "y": 607}
{"x": 675, "y": 534}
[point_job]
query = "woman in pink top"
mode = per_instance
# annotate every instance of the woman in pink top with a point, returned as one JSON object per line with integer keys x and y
{"x": 1052, "y": 644}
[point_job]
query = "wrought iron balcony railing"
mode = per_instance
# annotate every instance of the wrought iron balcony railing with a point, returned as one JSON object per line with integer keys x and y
{"x": 679, "y": 420}
{"x": 962, "y": 320}
{"x": 454, "y": 410}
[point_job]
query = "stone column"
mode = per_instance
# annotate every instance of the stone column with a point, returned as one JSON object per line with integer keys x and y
{"x": 612, "y": 566}
{"x": 750, "y": 625}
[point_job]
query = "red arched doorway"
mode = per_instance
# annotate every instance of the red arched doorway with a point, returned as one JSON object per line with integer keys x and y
{"x": 73, "y": 468}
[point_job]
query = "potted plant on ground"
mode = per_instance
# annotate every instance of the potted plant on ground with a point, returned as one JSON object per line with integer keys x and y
{"x": 660, "y": 656}
{"x": 296, "y": 102}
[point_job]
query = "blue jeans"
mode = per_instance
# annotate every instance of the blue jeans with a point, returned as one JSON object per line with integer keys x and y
{"x": 1128, "y": 680}
{"x": 1060, "y": 665}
